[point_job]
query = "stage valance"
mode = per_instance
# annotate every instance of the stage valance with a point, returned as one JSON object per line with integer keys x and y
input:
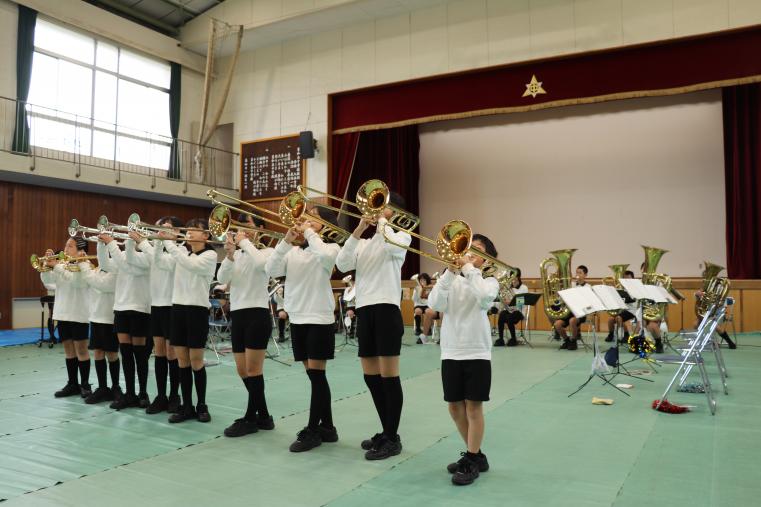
{"x": 662, "y": 68}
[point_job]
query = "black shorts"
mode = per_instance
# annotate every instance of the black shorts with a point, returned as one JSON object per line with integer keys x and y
{"x": 103, "y": 337}
{"x": 423, "y": 308}
{"x": 251, "y": 329}
{"x": 626, "y": 315}
{"x": 76, "y": 331}
{"x": 379, "y": 330}
{"x": 567, "y": 320}
{"x": 468, "y": 379}
{"x": 190, "y": 326}
{"x": 132, "y": 323}
{"x": 161, "y": 321}
{"x": 313, "y": 341}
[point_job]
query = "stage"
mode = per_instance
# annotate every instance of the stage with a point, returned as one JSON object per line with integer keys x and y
{"x": 544, "y": 448}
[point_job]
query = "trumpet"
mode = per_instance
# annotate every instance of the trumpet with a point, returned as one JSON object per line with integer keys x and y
{"x": 134, "y": 224}
{"x": 290, "y": 212}
{"x": 40, "y": 262}
{"x": 372, "y": 198}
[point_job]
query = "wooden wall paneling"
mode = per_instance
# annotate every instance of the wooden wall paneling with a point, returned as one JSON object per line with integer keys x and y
{"x": 6, "y": 268}
{"x": 751, "y": 316}
{"x": 736, "y": 310}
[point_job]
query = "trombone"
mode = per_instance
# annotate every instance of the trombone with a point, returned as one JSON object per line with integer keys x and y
{"x": 221, "y": 222}
{"x": 134, "y": 224}
{"x": 372, "y": 198}
{"x": 290, "y": 211}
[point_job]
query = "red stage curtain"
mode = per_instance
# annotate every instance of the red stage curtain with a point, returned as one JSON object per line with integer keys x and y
{"x": 670, "y": 67}
{"x": 742, "y": 169}
{"x": 390, "y": 155}
{"x": 343, "y": 150}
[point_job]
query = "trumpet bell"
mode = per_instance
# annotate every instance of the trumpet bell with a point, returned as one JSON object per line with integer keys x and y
{"x": 73, "y": 227}
{"x": 103, "y": 224}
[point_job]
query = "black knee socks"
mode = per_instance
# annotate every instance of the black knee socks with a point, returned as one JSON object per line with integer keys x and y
{"x": 417, "y": 322}
{"x": 113, "y": 368}
{"x": 511, "y": 328}
{"x": 100, "y": 371}
{"x": 281, "y": 327}
{"x": 260, "y": 400}
{"x": 128, "y": 364}
{"x": 375, "y": 385}
{"x": 160, "y": 369}
{"x": 251, "y": 405}
{"x": 84, "y": 372}
{"x": 320, "y": 411}
{"x": 174, "y": 377}
{"x": 71, "y": 369}
{"x": 392, "y": 388}
{"x": 186, "y": 382}
{"x": 141, "y": 362}
{"x": 199, "y": 376}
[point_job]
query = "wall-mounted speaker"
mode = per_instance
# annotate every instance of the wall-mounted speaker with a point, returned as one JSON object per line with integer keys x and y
{"x": 307, "y": 144}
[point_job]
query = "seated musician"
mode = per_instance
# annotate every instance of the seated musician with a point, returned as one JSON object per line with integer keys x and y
{"x": 420, "y": 300}
{"x": 511, "y": 315}
{"x": 570, "y": 321}
{"x": 627, "y": 318}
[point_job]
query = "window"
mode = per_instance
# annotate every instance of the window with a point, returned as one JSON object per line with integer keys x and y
{"x": 93, "y": 98}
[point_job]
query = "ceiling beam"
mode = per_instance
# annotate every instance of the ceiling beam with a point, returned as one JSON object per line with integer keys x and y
{"x": 129, "y": 11}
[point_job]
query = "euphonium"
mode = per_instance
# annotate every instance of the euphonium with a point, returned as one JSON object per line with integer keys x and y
{"x": 552, "y": 283}
{"x": 613, "y": 281}
{"x": 715, "y": 288}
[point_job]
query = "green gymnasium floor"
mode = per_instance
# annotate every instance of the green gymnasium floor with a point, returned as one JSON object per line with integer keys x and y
{"x": 544, "y": 448}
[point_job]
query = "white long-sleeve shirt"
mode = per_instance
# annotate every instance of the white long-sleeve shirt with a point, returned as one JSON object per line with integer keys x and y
{"x": 246, "y": 277}
{"x": 417, "y": 299}
{"x": 72, "y": 298}
{"x": 193, "y": 274}
{"x": 161, "y": 274}
{"x": 378, "y": 265}
{"x": 308, "y": 294}
{"x": 132, "y": 282}
{"x": 465, "y": 332}
{"x": 102, "y": 286}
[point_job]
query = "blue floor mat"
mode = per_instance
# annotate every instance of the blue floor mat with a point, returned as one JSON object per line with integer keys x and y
{"x": 20, "y": 336}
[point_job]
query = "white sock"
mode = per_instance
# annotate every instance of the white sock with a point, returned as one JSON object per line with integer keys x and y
{"x": 423, "y": 338}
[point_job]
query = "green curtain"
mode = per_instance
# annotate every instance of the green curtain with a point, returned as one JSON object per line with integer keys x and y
{"x": 27, "y": 19}
{"x": 175, "y": 92}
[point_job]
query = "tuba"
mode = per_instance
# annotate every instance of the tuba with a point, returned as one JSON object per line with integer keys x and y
{"x": 613, "y": 281}
{"x": 715, "y": 288}
{"x": 654, "y": 311}
{"x": 552, "y": 283}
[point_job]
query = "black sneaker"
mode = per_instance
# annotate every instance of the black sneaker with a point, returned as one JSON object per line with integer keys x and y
{"x": 203, "y": 413}
{"x": 572, "y": 345}
{"x": 419, "y": 341}
{"x": 126, "y": 401}
{"x": 327, "y": 433}
{"x": 609, "y": 338}
{"x": 480, "y": 460}
{"x": 280, "y": 339}
{"x": 69, "y": 389}
{"x": 85, "y": 390}
{"x": 173, "y": 406}
{"x": 658, "y": 346}
{"x": 732, "y": 345}
{"x": 386, "y": 448}
{"x": 143, "y": 400}
{"x": 500, "y": 342}
{"x": 565, "y": 344}
{"x": 306, "y": 439}
{"x": 101, "y": 394}
{"x": 418, "y": 332}
{"x": 159, "y": 404}
{"x": 512, "y": 342}
{"x": 117, "y": 393}
{"x": 183, "y": 414}
{"x": 466, "y": 472}
{"x": 265, "y": 423}
{"x": 240, "y": 427}
{"x": 371, "y": 442}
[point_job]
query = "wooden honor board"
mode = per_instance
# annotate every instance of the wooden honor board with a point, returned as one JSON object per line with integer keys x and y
{"x": 270, "y": 168}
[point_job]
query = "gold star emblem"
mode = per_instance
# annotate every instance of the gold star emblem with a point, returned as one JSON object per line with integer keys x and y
{"x": 533, "y": 88}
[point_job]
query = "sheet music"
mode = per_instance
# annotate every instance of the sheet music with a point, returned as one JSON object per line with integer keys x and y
{"x": 581, "y": 301}
{"x": 635, "y": 288}
{"x": 665, "y": 296}
{"x": 610, "y": 297}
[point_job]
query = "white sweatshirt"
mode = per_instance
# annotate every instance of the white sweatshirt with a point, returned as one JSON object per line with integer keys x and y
{"x": 308, "y": 294}
{"x": 102, "y": 286}
{"x": 193, "y": 274}
{"x": 465, "y": 331}
{"x": 162, "y": 272}
{"x": 72, "y": 300}
{"x": 417, "y": 300}
{"x": 132, "y": 283}
{"x": 245, "y": 276}
{"x": 378, "y": 265}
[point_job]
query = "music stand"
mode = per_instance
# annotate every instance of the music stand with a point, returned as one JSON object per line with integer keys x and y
{"x": 529, "y": 300}
{"x": 342, "y": 315}
{"x": 584, "y": 301}
{"x": 267, "y": 353}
